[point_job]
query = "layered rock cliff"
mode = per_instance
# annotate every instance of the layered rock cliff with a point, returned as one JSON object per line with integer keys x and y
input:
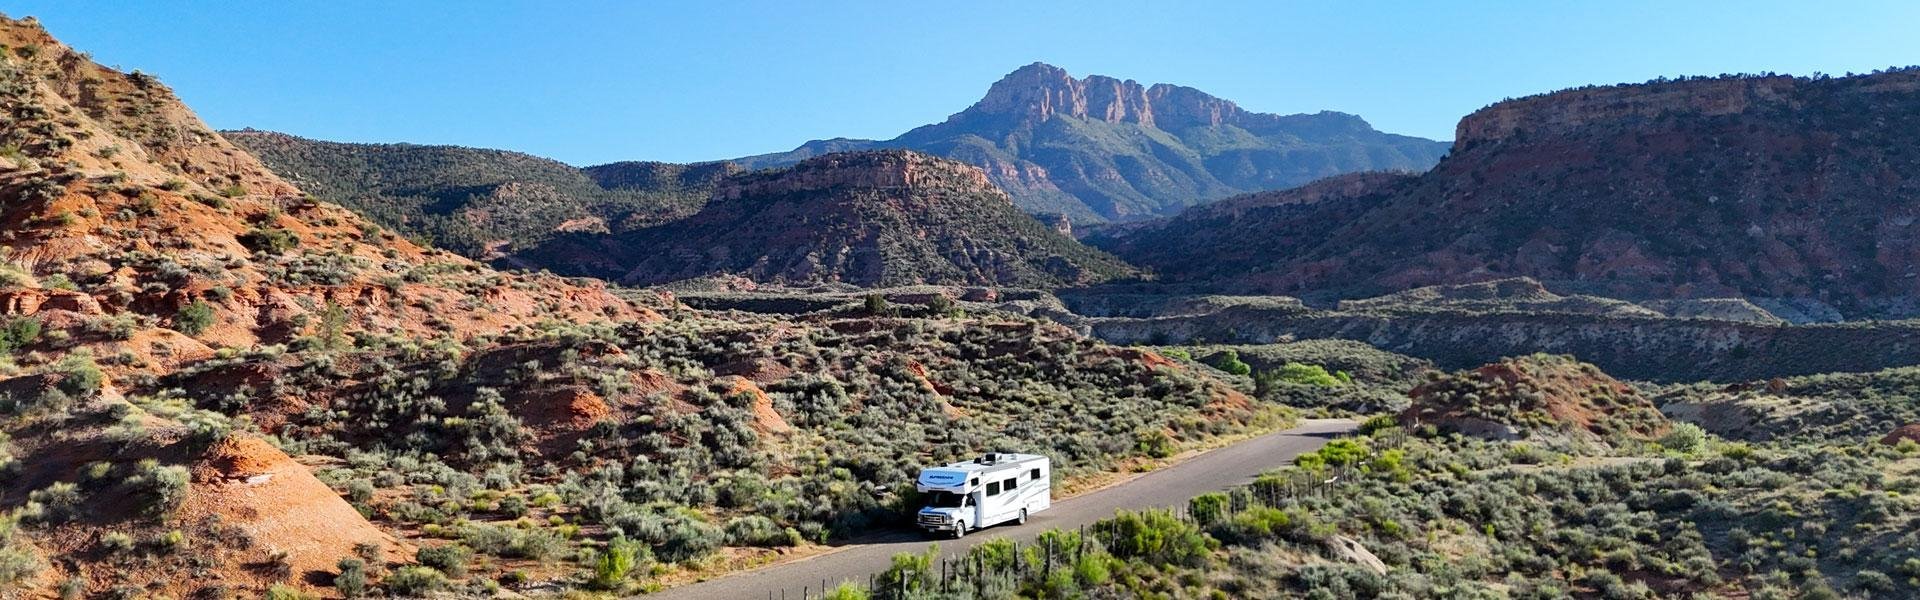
{"x": 1786, "y": 191}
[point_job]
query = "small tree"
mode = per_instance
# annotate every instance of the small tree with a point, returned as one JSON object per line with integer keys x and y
{"x": 1230, "y": 362}
{"x": 333, "y": 326}
{"x": 877, "y": 305}
{"x": 940, "y": 304}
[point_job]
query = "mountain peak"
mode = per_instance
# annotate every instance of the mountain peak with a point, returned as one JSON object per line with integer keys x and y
{"x": 1039, "y": 91}
{"x": 1121, "y": 158}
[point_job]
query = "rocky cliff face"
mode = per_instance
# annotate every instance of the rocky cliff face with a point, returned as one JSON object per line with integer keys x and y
{"x": 889, "y": 217}
{"x": 1099, "y": 148}
{"x": 1040, "y": 92}
{"x": 1786, "y": 191}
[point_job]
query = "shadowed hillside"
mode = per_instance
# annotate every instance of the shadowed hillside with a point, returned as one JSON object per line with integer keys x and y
{"x": 865, "y": 218}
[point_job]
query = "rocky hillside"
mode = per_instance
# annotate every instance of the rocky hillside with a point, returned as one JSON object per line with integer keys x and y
{"x": 864, "y": 218}
{"x": 483, "y": 203}
{"x": 135, "y": 241}
{"x": 1099, "y": 148}
{"x": 1537, "y": 395}
{"x": 1789, "y": 191}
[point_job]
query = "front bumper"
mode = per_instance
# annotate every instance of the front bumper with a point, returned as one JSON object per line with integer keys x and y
{"x": 935, "y": 522}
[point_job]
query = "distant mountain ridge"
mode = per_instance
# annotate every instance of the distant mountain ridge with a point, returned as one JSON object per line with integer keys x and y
{"x": 1100, "y": 149}
{"x": 482, "y": 202}
{"x": 1797, "y": 193}
{"x": 875, "y": 218}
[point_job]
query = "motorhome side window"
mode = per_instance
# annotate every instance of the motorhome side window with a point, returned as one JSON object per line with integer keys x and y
{"x": 1036, "y": 474}
{"x": 1010, "y": 483}
{"x": 993, "y": 488}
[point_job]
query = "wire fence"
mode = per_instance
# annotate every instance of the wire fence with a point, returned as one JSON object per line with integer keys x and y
{"x": 1003, "y": 565}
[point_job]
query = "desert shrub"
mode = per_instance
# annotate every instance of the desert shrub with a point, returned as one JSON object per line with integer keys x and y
{"x": 1684, "y": 437}
{"x": 1157, "y": 537}
{"x": 451, "y": 559}
{"x": 18, "y": 562}
{"x": 1155, "y": 443}
{"x": 79, "y": 375}
{"x": 535, "y": 544}
{"x": 18, "y": 332}
{"x": 876, "y": 304}
{"x": 414, "y": 580}
{"x": 1304, "y": 374}
{"x": 351, "y": 579}
{"x": 1337, "y": 453}
{"x": 1207, "y": 509}
{"x": 614, "y": 564}
{"x": 58, "y": 501}
{"x": 1230, "y": 362}
{"x": 1378, "y": 423}
{"x": 270, "y": 240}
{"x": 910, "y": 574}
{"x": 1261, "y": 523}
{"x": 676, "y": 534}
{"x": 756, "y": 530}
{"x": 159, "y": 488}
{"x": 847, "y": 590}
{"x": 193, "y": 318}
{"x": 286, "y": 592}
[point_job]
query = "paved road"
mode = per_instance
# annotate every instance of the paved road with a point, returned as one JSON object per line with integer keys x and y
{"x": 1214, "y": 470}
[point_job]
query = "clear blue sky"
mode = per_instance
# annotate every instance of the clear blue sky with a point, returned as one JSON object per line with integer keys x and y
{"x": 592, "y": 82}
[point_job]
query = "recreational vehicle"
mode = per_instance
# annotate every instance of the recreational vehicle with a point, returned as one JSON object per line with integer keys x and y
{"x": 985, "y": 491}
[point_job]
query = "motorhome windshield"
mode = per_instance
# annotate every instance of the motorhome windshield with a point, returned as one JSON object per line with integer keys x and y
{"x": 945, "y": 500}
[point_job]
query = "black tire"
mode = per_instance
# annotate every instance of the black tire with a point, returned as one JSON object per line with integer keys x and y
{"x": 959, "y": 529}
{"x": 1023, "y": 516}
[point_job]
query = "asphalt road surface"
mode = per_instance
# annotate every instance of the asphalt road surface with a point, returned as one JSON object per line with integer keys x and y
{"x": 1214, "y": 470}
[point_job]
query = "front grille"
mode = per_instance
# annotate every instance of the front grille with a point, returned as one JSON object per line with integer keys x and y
{"x": 932, "y": 519}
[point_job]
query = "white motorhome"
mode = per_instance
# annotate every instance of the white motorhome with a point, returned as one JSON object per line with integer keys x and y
{"x": 986, "y": 491}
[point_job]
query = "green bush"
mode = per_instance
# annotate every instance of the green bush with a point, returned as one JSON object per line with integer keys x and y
{"x": 414, "y": 580}
{"x": 79, "y": 375}
{"x": 352, "y": 578}
{"x": 286, "y": 592}
{"x": 159, "y": 488}
{"x": 615, "y": 563}
{"x": 18, "y": 332}
{"x": 1156, "y": 536}
{"x": 451, "y": 559}
{"x": 847, "y": 591}
{"x": 755, "y": 530}
{"x": 271, "y": 240}
{"x": 1303, "y": 374}
{"x": 1207, "y": 508}
{"x": 18, "y": 562}
{"x": 1684, "y": 437}
{"x": 1230, "y": 362}
{"x": 1260, "y": 523}
{"x": 1155, "y": 443}
{"x": 193, "y": 318}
